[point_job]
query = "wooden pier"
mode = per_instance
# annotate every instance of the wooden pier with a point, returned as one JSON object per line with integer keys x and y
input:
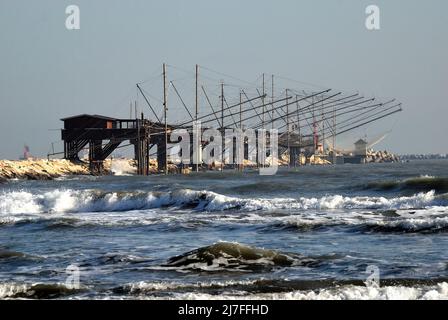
{"x": 103, "y": 135}
{"x": 304, "y": 121}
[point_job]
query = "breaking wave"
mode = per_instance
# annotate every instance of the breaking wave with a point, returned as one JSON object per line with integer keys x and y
{"x": 429, "y": 220}
{"x": 143, "y": 287}
{"x": 418, "y": 184}
{"x": 273, "y": 289}
{"x": 262, "y": 289}
{"x": 422, "y": 212}
{"x": 35, "y": 291}
{"x": 351, "y": 292}
{"x": 417, "y": 225}
{"x": 232, "y": 255}
{"x": 59, "y": 201}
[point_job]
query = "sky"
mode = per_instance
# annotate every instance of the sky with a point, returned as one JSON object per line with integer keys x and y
{"x": 48, "y": 72}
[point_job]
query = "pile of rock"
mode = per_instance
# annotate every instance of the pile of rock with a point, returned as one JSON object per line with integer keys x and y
{"x": 316, "y": 160}
{"x": 381, "y": 157}
{"x": 40, "y": 169}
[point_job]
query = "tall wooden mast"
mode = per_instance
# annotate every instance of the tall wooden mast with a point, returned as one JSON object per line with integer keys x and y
{"x": 165, "y": 109}
{"x": 222, "y": 125}
{"x": 262, "y": 101}
{"x": 272, "y": 99}
{"x": 287, "y": 125}
{"x": 196, "y": 119}
{"x": 197, "y": 97}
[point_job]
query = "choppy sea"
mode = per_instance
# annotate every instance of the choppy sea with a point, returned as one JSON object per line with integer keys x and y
{"x": 377, "y": 231}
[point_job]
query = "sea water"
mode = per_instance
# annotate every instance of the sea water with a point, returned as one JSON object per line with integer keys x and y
{"x": 305, "y": 233}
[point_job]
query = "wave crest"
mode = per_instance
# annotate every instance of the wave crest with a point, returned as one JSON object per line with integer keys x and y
{"x": 296, "y": 289}
{"x": 418, "y": 184}
{"x": 350, "y": 292}
{"x": 35, "y": 291}
{"x": 422, "y": 212}
{"x": 232, "y": 255}
{"x": 59, "y": 201}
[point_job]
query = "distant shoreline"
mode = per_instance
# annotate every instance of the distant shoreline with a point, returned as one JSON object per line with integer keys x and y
{"x": 41, "y": 169}
{"x": 424, "y": 157}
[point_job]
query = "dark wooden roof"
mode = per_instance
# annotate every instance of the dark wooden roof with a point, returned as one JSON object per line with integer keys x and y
{"x": 93, "y": 116}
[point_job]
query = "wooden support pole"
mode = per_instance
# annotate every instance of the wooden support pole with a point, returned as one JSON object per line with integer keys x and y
{"x": 262, "y": 101}
{"x": 241, "y": 165}
{"x": 138, "y": 149}
{"x": 241, "y": 111}
{"x": 165, "y": 109}
{"x": 287, "y": 127}
{"x": 314, "y": 128}
{"x": 334, "y": 135}
{"x": 323, "y": 128}
{"x": 272, "y": 99}
{"x": 298, "y": 132}
{"x": 222, "y": 125}
{"x": 196, "y": 166}
{"x": 263, "y": 120}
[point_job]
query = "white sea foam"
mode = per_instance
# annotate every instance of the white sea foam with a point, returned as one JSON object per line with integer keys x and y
{"x": 350, "y": 292}
{"x": 60, "y": 200}
{"x": 144, "y": 287}
{"x": 413, "y": 224}
{"x": 339, "y": 202}
{"x": 34, "y": 290}
{"x": 18, "y": 202}
{"x": 427, "y": 176}
{"x": 122, "y": 167}
{"x": 148, "y": 290}
{"x": 431, "y": 218}
{"x": 12, "y": 289}
{"x": 112, "y": 208}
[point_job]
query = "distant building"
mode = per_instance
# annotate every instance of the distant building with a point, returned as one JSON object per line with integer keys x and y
{"x": 358, "y": 156}
{"x": 361, "y": 148}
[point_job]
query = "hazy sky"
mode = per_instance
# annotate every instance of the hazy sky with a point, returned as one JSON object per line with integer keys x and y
{"x": 48, "y": 72}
